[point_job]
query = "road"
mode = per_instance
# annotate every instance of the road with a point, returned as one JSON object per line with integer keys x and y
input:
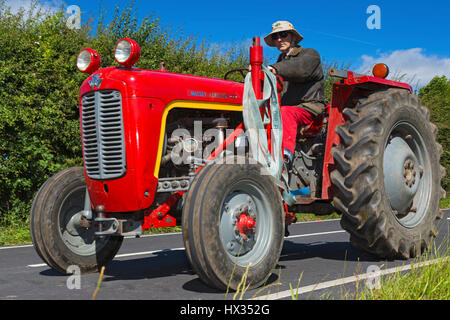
{"x": 156, "y": 268}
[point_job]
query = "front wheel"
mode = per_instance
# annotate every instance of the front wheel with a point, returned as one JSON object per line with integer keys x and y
{"x": 233, "y": 224}
{"x": 57, "y": 235}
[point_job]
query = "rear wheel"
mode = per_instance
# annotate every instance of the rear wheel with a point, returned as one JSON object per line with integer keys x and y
{"x": 233, "y": 220}
{"x": 58, "y": 237}
{"x": 388, "y": 175}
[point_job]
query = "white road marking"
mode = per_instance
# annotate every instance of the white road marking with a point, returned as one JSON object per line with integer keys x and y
{"x": 315, "y": 234}
{"x": 147, "y": 252}
{"x": 342, "y": 281}
{"x": 163, "y": 234}
{"x": 312, "y": 221}
{"x": 130, "y": 237}
{"x": 174, "y": 249}
{"x": 153, "y": 235}
{"x": 15, "y": 247}
{"x": 38, "y": 265}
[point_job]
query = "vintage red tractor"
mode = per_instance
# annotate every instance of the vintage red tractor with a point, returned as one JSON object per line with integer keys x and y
{"x": 161, "y": 148}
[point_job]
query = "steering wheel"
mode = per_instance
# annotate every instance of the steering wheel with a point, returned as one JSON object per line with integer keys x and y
{"x": 240, "y": 70}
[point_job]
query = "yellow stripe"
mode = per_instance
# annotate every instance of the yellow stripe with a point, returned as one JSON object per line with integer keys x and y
{"x": 188, "y": 105}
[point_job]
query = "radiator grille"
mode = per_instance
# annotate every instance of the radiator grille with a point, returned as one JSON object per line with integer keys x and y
{"x": 103, "y": 138}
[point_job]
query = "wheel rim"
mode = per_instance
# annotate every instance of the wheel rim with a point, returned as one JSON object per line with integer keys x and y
{"x": 246, "y": 223}
{"x": 407, "y": 174}
{"x": 78, "y": 239}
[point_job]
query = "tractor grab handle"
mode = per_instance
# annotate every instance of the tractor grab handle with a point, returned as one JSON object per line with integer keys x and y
{"x": 342, "y": 74}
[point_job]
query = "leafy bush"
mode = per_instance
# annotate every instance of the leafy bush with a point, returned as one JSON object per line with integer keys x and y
{"x": 38, "y": 105}
{"x": 39, "y": 117}
{"x": 39, "y": 85}
{"x": 436, "y": 96}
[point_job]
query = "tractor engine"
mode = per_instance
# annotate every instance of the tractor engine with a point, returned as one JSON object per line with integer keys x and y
{"x": 190, "y": 136}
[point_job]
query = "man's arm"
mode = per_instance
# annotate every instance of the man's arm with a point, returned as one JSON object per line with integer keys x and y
{"x": 302, "y": 68}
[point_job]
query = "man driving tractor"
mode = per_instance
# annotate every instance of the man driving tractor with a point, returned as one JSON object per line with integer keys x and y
{"x": 379, "y": 166}
{"x": 303, "y": 96}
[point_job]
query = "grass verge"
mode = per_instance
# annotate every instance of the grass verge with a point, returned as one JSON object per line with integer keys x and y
{"x": 162, "y": 230}
{"x": 445, "y": 203}
{"x": 301, "y": 217}
{"x": 425, "y": 282}
{"x": 16, "y": 233}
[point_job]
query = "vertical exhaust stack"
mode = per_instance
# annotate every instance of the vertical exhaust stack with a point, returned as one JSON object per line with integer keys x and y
{"x": 256, "y": 60}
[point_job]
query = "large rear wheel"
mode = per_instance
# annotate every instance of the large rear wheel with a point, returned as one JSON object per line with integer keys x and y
{"x": 388, "y": 175}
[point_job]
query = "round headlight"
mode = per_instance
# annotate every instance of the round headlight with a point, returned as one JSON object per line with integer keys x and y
{"x": 83, "y": 60}
{"x": 88, "y": 61}
{"x": 123, "y": 51}
{"x": 127, "y": 52}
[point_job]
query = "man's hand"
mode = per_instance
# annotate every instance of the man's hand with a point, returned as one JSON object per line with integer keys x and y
{"x": 273, "y": 70}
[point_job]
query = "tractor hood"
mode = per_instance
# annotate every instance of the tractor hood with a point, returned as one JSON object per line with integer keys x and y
{"x": 163, "y": 85}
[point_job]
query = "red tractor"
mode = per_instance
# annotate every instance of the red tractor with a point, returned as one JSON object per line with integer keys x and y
{"x": 161, "y": 148}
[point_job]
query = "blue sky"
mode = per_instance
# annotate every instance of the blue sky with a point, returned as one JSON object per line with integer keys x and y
{"x": 414, "y": 36}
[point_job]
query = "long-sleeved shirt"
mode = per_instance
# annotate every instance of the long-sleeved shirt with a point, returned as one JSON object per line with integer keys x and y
{"x": 301, "y": 70}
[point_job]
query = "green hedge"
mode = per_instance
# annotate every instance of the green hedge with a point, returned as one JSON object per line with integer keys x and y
{"x": 39, "y": 83}
{"x": 436, "y": 96}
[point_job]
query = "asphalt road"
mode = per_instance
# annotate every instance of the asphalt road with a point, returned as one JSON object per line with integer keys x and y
{"x": 156, "y": 268}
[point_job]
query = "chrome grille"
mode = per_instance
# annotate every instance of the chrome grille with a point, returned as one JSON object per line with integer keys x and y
{"x": 103, "y": 138}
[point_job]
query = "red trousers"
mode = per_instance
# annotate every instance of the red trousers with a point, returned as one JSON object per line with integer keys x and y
{"x": 292, "y": 118}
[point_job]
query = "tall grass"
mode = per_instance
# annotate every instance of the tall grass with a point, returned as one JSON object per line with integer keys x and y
{"x": 423, "y": 282}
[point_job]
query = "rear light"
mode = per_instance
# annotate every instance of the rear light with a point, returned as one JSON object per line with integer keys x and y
{"x": 380, "y": 70}
{"x": 127, "y": 52}
{"x": 88, "y": 61}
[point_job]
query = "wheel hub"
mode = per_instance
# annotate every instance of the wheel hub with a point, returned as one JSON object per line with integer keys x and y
{"x": 74, "y": 224}
{"x": 400, "y": 175}
{"x": 239, "y": 224}
{"x": 246, "y": 223}
{"x": 410, "y": 174}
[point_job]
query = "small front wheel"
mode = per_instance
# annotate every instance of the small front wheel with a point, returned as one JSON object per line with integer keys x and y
{"x": 58, "y": 237}
{"x": 233, "y": 224}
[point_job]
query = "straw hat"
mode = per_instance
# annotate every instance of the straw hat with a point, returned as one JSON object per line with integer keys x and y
{"x": 282, "y": 26}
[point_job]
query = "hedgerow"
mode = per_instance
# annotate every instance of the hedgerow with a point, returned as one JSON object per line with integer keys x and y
{"x": 39, "y": 86}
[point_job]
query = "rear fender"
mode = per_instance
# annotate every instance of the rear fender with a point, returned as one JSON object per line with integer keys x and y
{"x": 342, "y": 97}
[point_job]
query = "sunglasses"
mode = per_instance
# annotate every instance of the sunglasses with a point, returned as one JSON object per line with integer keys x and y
{"x": 282, "y": 35}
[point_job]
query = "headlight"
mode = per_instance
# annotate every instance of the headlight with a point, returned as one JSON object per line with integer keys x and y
{"x": 127, "y": 52}
{"x": 88, "y": 61}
